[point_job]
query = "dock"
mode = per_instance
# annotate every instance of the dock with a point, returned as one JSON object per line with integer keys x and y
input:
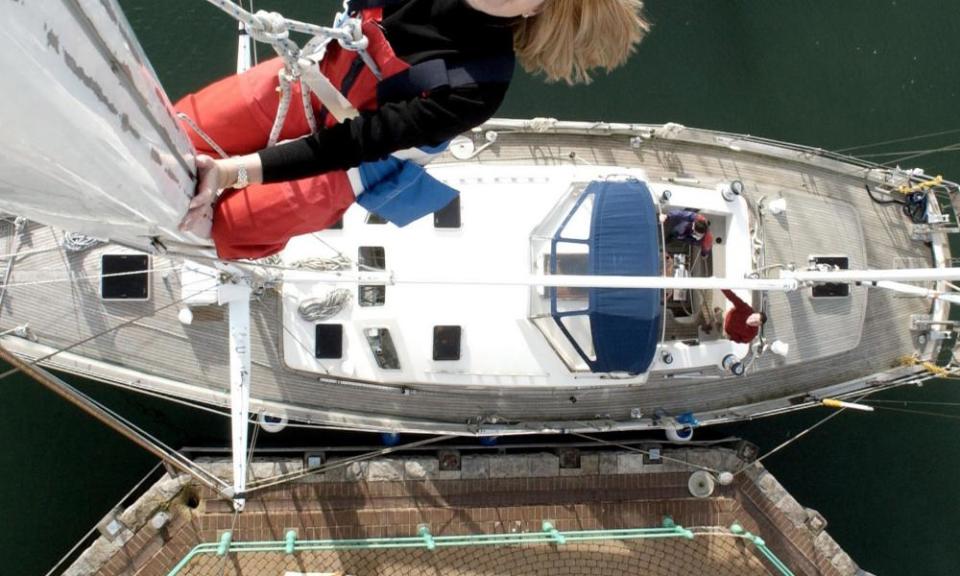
{"x": 550, "y": 512}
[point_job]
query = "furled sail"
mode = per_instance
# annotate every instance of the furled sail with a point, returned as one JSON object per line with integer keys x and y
{"x": 90, "y": 142}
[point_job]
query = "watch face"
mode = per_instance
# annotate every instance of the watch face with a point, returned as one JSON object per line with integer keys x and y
{"x": 242, "y": 179}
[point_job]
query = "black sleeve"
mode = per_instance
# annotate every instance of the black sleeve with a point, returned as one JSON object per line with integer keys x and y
{"x": 428, "y": 120}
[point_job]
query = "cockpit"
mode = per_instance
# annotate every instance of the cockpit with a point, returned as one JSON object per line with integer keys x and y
{"x": 614, "y": 228}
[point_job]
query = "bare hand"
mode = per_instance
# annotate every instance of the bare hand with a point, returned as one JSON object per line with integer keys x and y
{"x": 199, "y": 217}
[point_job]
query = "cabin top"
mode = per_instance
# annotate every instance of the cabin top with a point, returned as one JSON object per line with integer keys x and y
{"x": 514, "y": 222}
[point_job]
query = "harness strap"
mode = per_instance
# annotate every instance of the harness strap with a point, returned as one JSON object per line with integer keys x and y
{"x": 332, "y": 99}
{"x": 433, "y": 74}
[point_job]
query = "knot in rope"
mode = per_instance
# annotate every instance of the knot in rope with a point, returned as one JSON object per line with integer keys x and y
{"x": 269, "y": 27}
{"x": 358, "y": 42}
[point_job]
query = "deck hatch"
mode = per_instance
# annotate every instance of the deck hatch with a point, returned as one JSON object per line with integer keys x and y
{"x": 448, "y": 216}
{"x": 329, "y": 341}
{"x": 372, "y": 258}
{"x": 372, "y": 295}
{"x": 446, "y": 343}
{"x": 384, "y": 351}
{"x": 831, "y": 290}
{"x": 124, "y": 277}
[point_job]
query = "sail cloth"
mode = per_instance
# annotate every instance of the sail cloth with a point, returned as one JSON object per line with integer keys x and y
{"x": 90, "y": 143}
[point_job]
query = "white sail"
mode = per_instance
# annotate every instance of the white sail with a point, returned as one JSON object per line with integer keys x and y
{"x": 90, "y": 143}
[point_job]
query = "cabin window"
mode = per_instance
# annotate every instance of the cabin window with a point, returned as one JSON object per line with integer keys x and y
{"x": 375, "y": 219}
{"x": 384, "y": 352}
{"x": 372, "y": 258}
{"x": 569, "y": 263}
{"x": 329, "y": 341}
{"x": 372, "y": 295}
{"x": 338, "y": 225}
{"x": 448, "y": 216}
{"x": 446, "y": 343}
{"x": 124, "y": 277}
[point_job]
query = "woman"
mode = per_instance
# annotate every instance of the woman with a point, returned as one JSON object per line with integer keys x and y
{"x": 301, "y": 186}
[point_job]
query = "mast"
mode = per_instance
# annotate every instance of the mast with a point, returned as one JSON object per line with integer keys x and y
{"x": 237, "y": 298}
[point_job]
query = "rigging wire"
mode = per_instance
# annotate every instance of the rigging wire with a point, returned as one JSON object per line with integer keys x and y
{"x": 86, "y": 536}
{"x": 947, "y": 148}
{"x": 898, "y": 140}
{"x": 171, "y": 453}
{"x": 91, "y": 277}
{"x": 919, "y": 412}
{"x": 951, "y": 148}
{"x": 798, "y": 436}
{"x": 106, "y": 331}
{"x": 290, "y": 476}
{"x": 909, "y": 402}
{"x": 22, "y": 253}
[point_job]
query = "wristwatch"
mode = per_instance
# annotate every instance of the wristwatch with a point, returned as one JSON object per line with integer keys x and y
{"x": 243, "y": 180}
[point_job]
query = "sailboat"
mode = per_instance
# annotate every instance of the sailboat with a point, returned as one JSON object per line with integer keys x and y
{"x": 547, "y": 298}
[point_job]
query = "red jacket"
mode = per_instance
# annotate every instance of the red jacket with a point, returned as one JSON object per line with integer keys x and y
{"x": 735, "y": 323}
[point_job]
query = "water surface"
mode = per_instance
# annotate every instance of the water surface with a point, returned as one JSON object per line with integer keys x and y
{"x": 828, "y": 74}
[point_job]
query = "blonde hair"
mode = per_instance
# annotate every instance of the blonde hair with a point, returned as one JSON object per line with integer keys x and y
{"x": 569, "y": 38}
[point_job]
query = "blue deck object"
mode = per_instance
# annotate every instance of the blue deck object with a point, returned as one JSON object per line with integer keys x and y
{"x": 624, "y": 240}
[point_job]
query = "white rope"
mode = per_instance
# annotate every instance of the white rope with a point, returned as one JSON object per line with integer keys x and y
{"x": 74, "y": 242}
{"x": 87, "y": 277}
{"x": 326, "y": 307}
{"x": 203, "y": 135}
{"x": 273, "y": 29}
{"x": 283, "y": 107}
{"x": 320, "y": 264}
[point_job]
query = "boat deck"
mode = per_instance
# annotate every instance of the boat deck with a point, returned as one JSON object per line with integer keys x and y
{"x": 145, "y": 346}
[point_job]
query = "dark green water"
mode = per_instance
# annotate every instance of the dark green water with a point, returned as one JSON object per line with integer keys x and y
{"x": 830, "y": 74}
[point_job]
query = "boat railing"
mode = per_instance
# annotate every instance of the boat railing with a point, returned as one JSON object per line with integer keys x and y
{"x": 425, "y": 539}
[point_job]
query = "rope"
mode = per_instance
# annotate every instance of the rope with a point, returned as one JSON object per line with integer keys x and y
{"x": 74, "y": 242}
{"x": 203, "y": 135}
{"x": 283, "y": 107}
{"x": 928, "y": 366}
{"x": 273, "y": 29}
{"x": 320, "y": 264}
{"x": 319, "y": 309}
